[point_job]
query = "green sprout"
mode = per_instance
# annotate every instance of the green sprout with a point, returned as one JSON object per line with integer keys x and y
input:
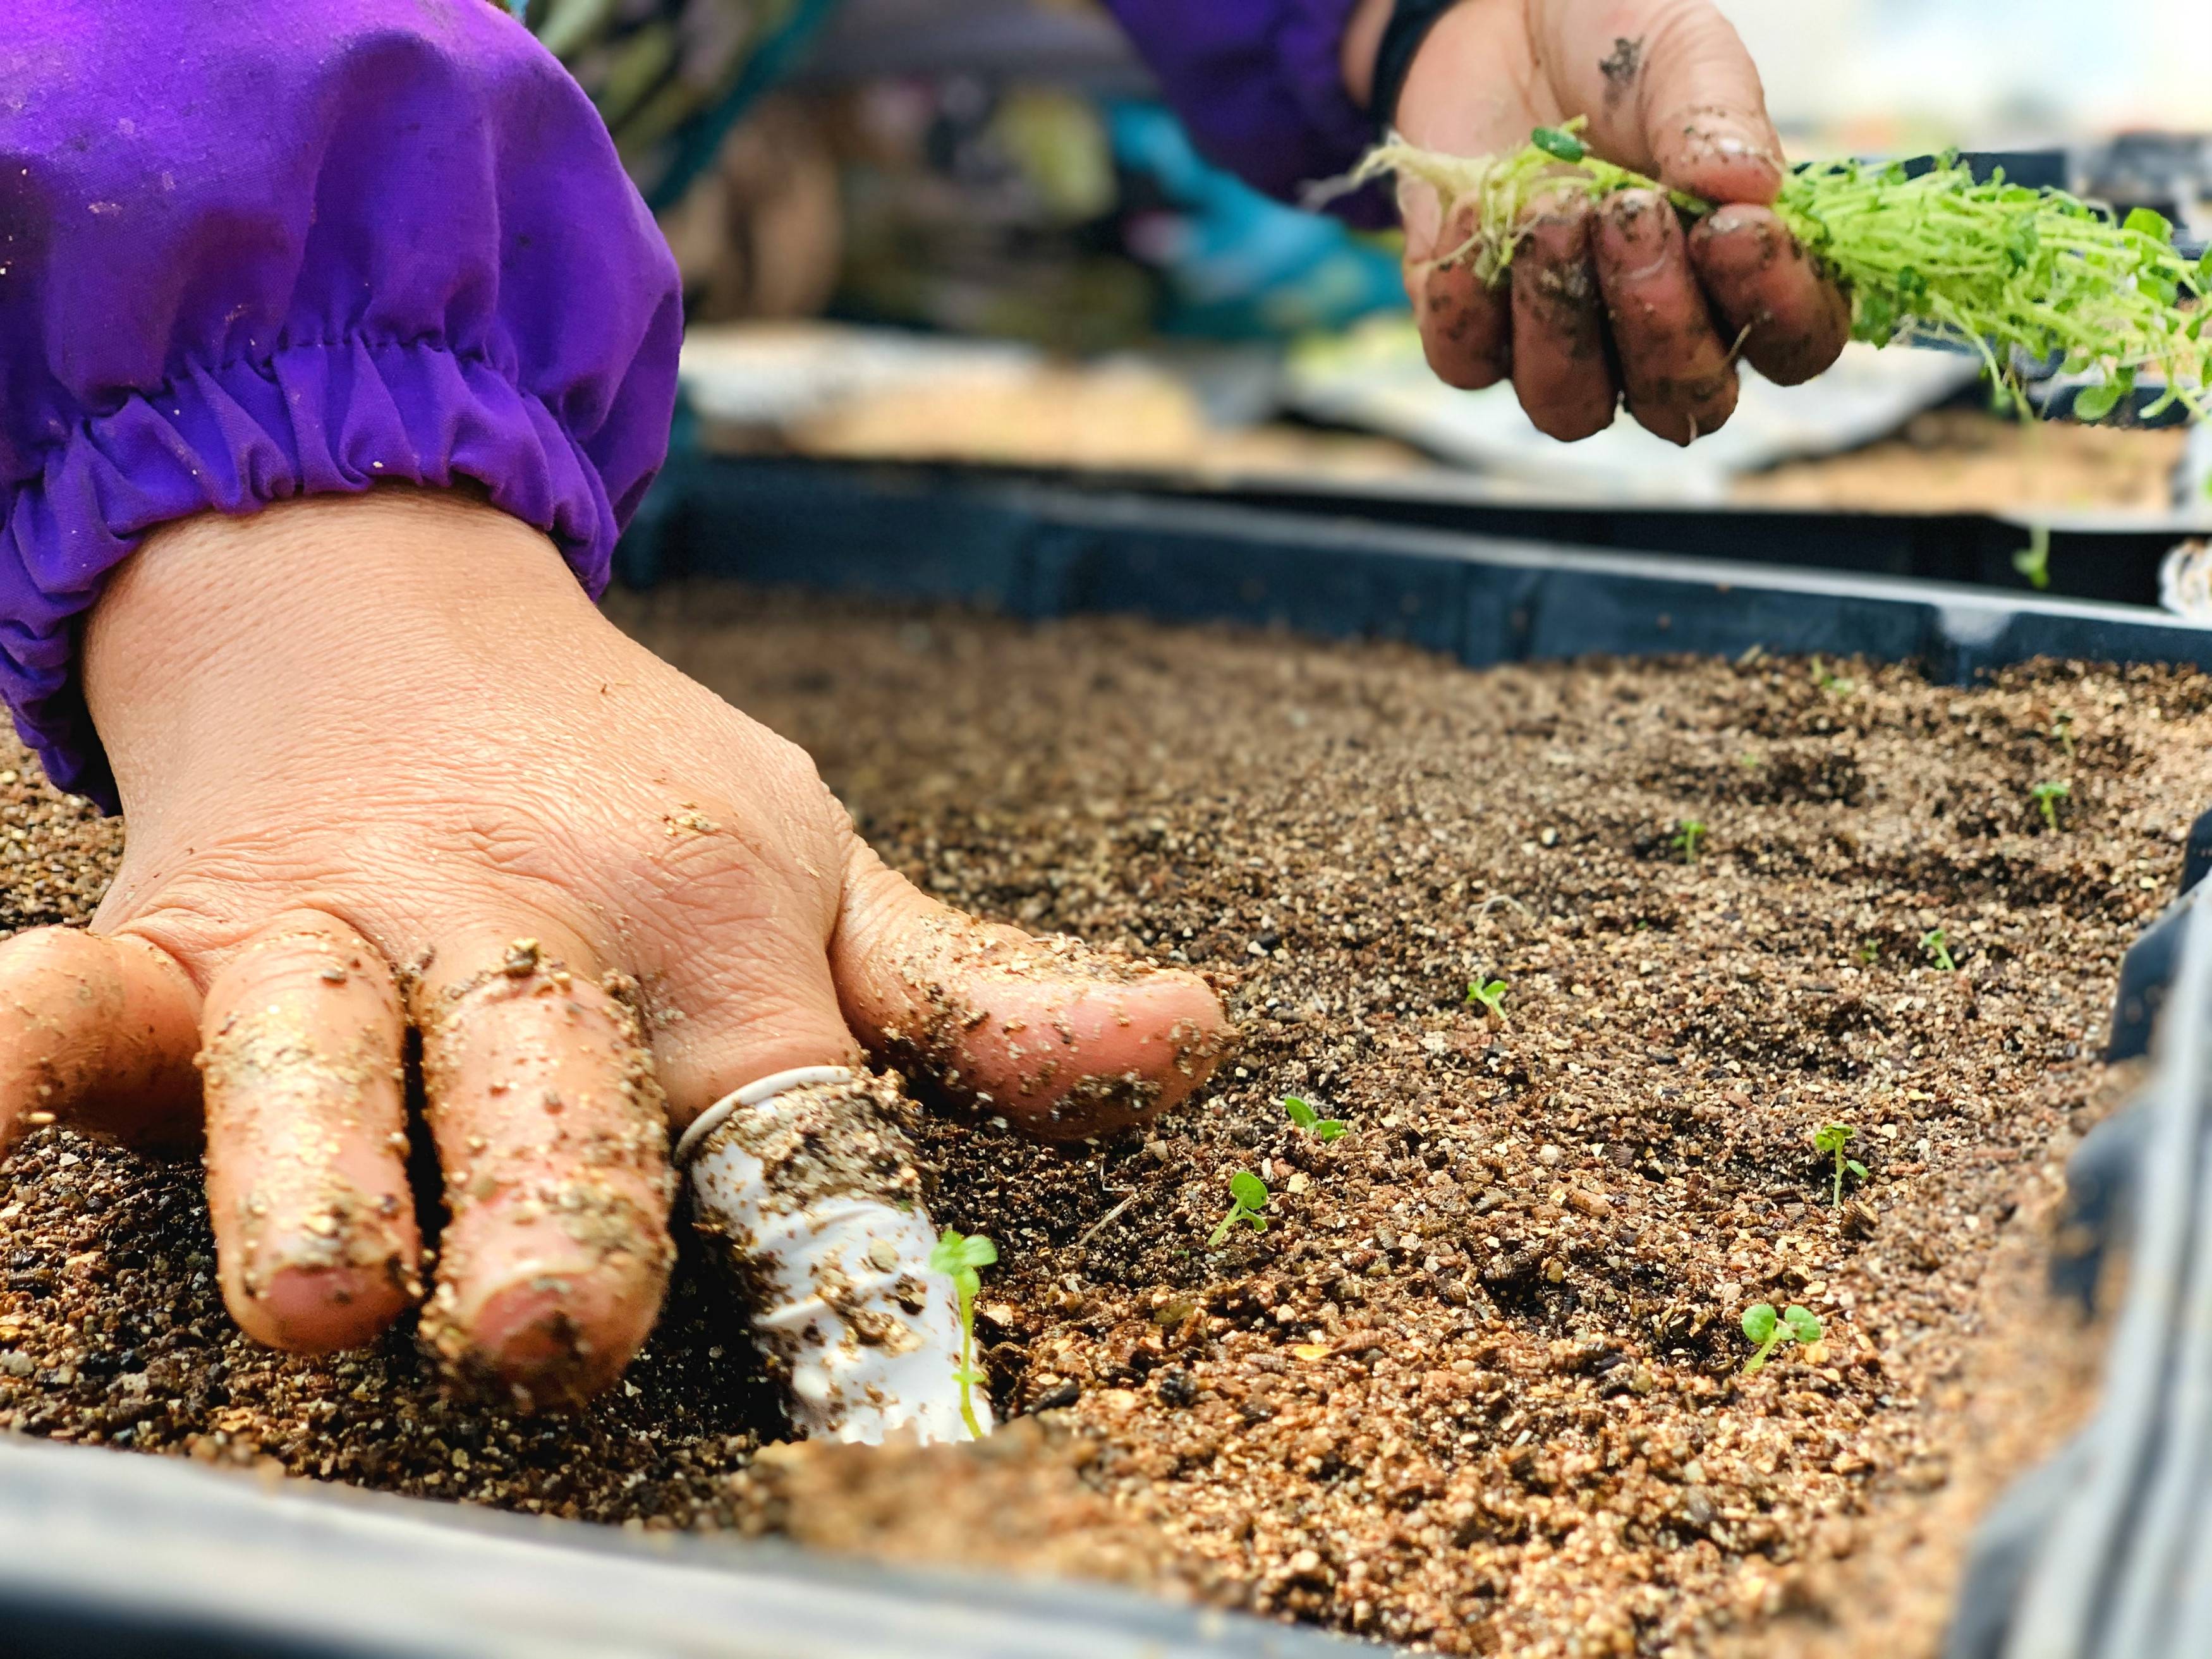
{"x": 2047, "y": 796}
{"x": 1321, "y": 1128}
{"x": 958, "y": 1256}
{"x": 1939, "y": 950}
{"x": 1831, "y": 681}
{"x": 2001, "y": 269}
{"x": 1870, "y": 952}
{"x": 2062, "y": 728}
{"x": 2033, "y": 561}
{"x": 1768, "y": 1330}
{"x": 1490, "y": 993}
{"x": 1249, "y": 1194}
{"x": 1832, "y": 1139}
{"x": 1686, "y": 837}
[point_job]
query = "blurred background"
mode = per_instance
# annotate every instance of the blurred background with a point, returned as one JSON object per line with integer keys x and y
{"x": 966, "y": 232}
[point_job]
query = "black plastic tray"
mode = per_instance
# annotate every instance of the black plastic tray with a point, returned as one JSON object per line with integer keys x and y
{"x": 103, "y": 1554}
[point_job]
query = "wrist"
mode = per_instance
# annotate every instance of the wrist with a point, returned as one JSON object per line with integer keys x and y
{"x": 253, "y": 649}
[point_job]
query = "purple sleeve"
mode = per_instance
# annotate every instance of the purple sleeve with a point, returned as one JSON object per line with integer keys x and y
{"x": 273, "y": 248}
{"x": 1260, "y": 84}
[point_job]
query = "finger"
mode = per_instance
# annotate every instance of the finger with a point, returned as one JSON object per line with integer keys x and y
{"x": 98, "y": 1029}
{"x": 1677, "y": 96}
{"x": 314, "y": 1223}
{"x": 1793, "y": 321}
{"x": 1066, "y": 1040}
{"x": 1680, "y": 379}
{"x": 1465, "y": 328}
{"x": 1561, "y": 367}
{"x": 553, "y": 1138}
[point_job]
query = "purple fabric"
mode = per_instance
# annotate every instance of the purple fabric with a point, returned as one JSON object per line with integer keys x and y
{"x": 255, "y": 249}
{"x": 1260, "y": 83}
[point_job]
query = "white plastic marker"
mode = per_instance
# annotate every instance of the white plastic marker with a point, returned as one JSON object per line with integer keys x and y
{"x": 811, "y": 1186}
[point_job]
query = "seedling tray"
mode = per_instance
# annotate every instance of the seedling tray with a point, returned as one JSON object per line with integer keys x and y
{"x": 105, "y": 1554}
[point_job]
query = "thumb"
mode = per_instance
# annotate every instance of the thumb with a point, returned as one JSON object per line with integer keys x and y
{"x": 1679, "y": 98}
{"x": 1067, "y": 1041}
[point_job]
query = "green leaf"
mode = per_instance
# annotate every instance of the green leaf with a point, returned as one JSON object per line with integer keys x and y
{"x": 977, "y": 1251}
{"x": 1856, "y": 1168}
{"x": 1329, "y": 1128}
{"x": 947, "y": 1255}
{"x": 1563, "y": 145}
{"x": 2144, "y": 222}
{"x": 2094, "y": 402}
{"x": 1802, "y": 1323}
{"x": 1300, "y": 1113}
{"x": 1249, "y": 1190}
{"x": 1759, "y": 1322}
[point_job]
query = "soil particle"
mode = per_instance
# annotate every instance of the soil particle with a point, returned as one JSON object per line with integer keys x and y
{"x": 1621, "y": 67}
{"x": 1478, "y": 1385}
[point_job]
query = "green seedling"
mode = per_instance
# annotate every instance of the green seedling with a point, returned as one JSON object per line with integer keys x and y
{"x": 1248, "y": 1197}
{"x": 2033, "y": 561}
{"x": 1321, "y": 1128}
{"x": 2062, "y": 729}
{"x": 1938, "y": 951}
{"x": 1768, "y": 1330}
{"x": 960, "y": 1256}
{"x": 2047, "y": 797}
{"x": 1686, "y": 837}
{"x": 2006, "y": 272}
{"x": 1831, "y": 1139}
{"x": 1490, "y": 993}
{"x": 1870, "y": 953}
{"x": 1831, "y": 681}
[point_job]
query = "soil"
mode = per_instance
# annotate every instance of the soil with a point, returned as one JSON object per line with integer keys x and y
{"x": 1478, "y": 1385}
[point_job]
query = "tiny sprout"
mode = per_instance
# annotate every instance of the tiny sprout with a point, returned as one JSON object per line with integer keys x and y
{"x": 2063, "y": 729}
{"x": 958, "y": 1256}
{"x": 1870, "y": 952}
{"x": 1939, "y": 950}
{"x": 1686, "y": 837}
{"x": 1831, "y": 1139}
{"x": 1769, "y": 1330}
{"x": 2047, "y": 796}
{"x": 1490, "y": 993}
{"x": 1321, "y": 1128}
{"x": 1249, "y": 1194}
{"x": 1749, "y": 761}
{"x": 2033, "y": 561}
{"x": 1831, "y": 681}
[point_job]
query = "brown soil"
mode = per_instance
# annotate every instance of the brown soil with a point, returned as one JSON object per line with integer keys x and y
{"x": 1478, "y": 1385}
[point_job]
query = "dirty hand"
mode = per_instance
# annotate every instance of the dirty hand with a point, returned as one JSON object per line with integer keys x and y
{"x": 1612, "y": 301}
{"x": 386, "y": 769}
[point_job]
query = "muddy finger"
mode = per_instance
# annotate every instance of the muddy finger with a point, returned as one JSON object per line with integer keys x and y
{"x": 1561, "y": 367}
{"x": 99, "y": 1030}
{"x": 314, "y": 1223}
{"x": 553, "y": 1138}
{"x": 1767, "y": 290}
{"x": 1467, "y": 329}
{"x": 1068, "y": 1041}
{"x": 1676, "y": 370}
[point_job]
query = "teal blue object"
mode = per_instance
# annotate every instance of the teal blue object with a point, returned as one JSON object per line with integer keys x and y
{"x": 1237, "y": 264}
{"x": 519, "y": 7}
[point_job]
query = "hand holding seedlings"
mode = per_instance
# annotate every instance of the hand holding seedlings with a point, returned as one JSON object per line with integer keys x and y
{"x": 1323, "y": 1130}
{"x": 550, "y": 1105}
{"x": 1247, "y": 1196}
{"x": 1832, "y": 1138}
{"x": 1768, "y": 1330}
{"x": 1490, "y": 993}
{"x": 961, "y": 1256}
{"x": 1607, "y": 299}
{"x": 1686, "y": 839}
{"x": 1938, "y": 950}
{"x": 2047, "y": 797}
{"x": 1988, "y": 265}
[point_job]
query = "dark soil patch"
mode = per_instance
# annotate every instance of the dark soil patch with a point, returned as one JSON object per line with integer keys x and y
{"x": 1477, "y": 1385}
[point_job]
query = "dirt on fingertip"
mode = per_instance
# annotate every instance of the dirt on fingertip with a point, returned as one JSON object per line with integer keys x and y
{"x": 1478, "y": 1385}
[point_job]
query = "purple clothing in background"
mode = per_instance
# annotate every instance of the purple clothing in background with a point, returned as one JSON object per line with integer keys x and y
{"x": 266, "y": 248}
{"x": 1260, "y": 83}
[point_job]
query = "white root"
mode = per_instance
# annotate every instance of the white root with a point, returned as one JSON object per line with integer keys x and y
{"x": 810, "y": 1187}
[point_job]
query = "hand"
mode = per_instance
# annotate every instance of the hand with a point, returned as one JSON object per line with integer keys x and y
{"x": 384, "y": 767}
{"x": 1612, "y": 301}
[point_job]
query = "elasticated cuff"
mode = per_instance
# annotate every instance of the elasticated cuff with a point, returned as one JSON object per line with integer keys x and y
{"x": 325, "y": 244}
